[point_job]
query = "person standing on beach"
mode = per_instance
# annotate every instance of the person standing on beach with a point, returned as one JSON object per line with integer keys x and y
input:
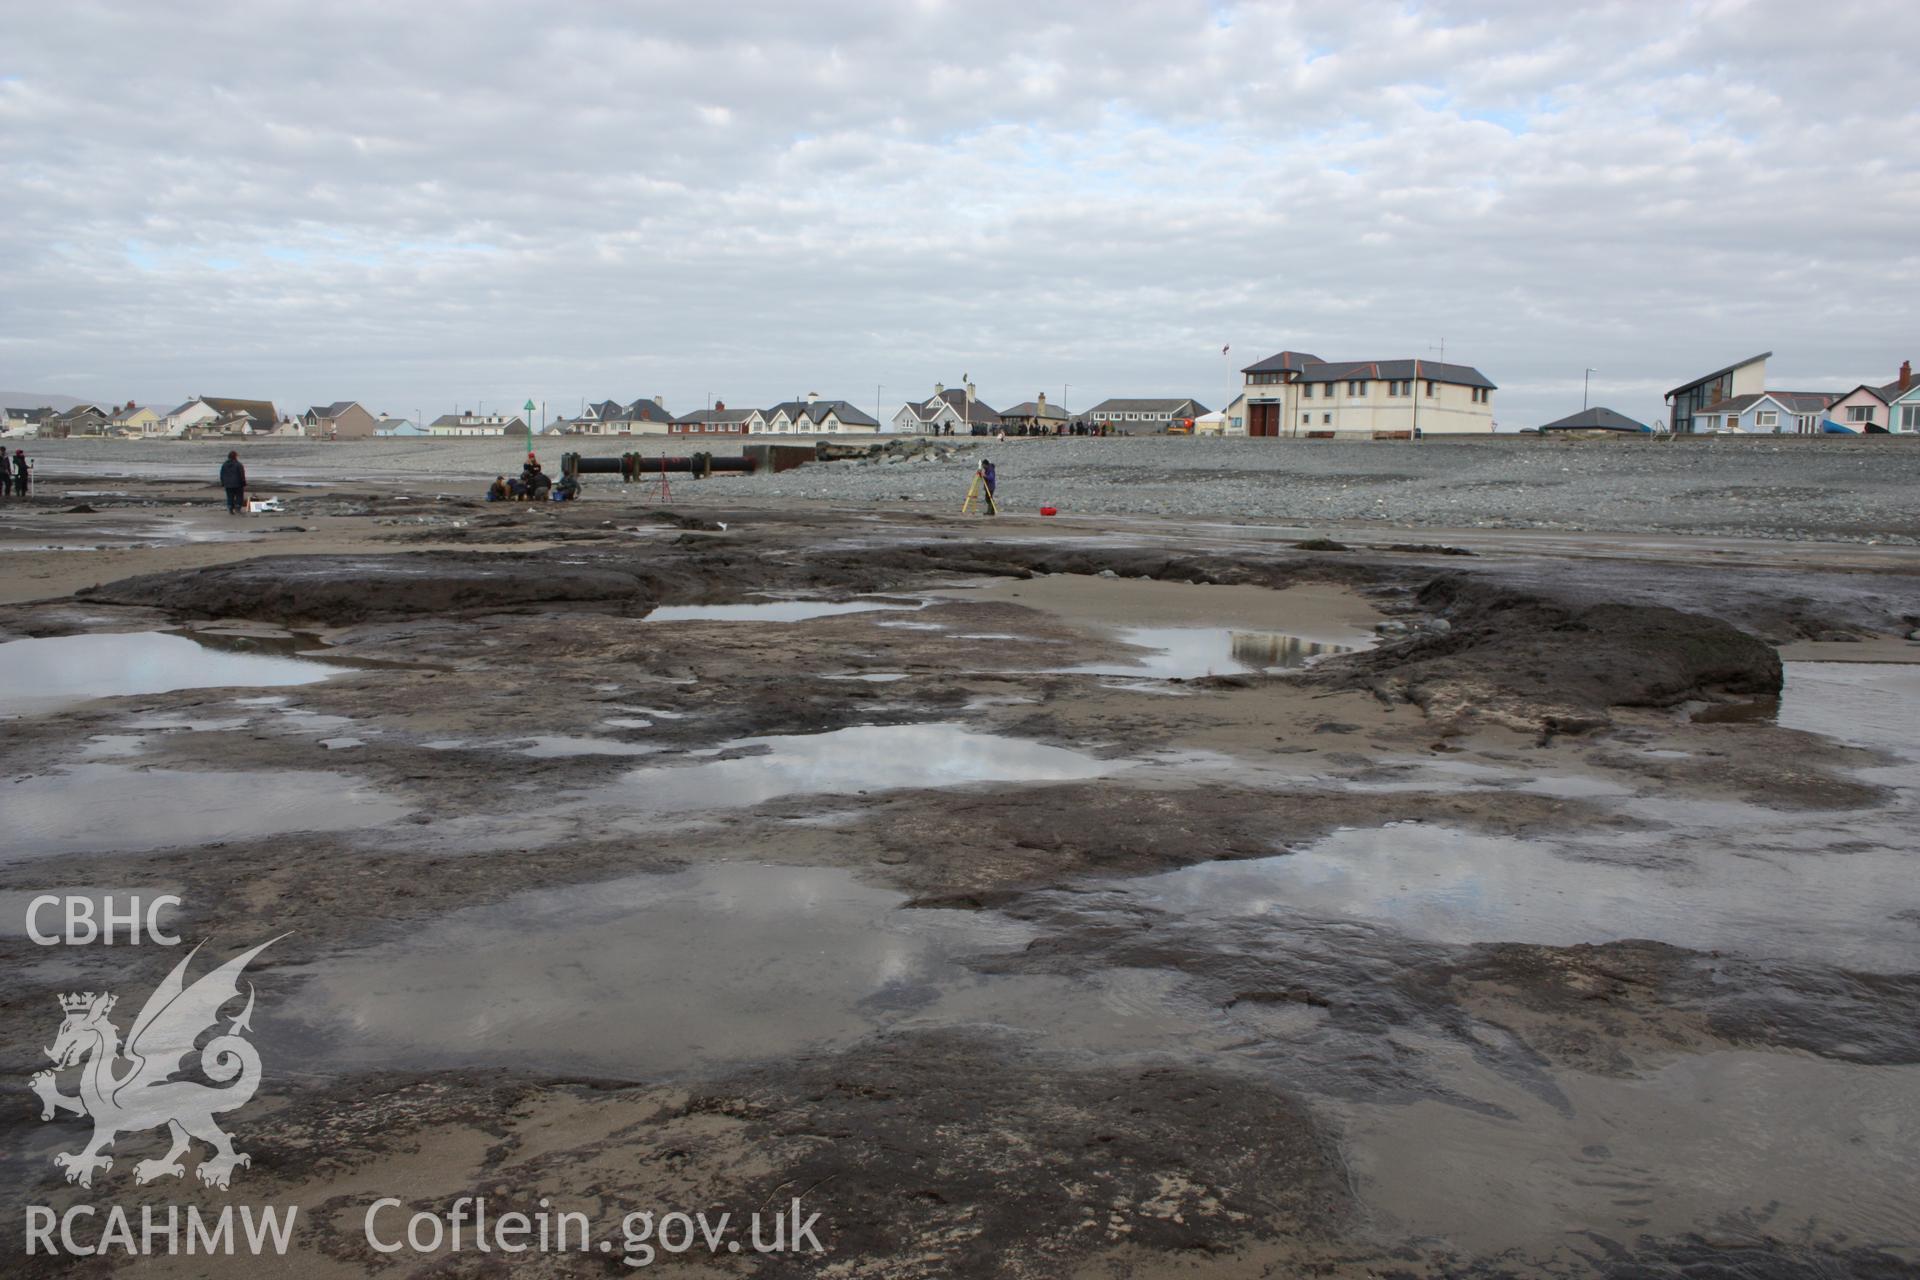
{"x": 233, "y": 478}
{"x": 22, "y": 471}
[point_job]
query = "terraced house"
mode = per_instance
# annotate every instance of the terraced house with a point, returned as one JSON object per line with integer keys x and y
{"x": 1293, "y": 393}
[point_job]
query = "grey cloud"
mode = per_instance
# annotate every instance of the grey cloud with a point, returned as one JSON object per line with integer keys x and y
{"x": 424, "y": 206}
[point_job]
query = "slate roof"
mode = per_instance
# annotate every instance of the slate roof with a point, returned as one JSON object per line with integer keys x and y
{"x": 1032, "y": 409}
{"x": 982, "y": 413}
{"x": 644, "y": 410}
{"x": 1283, "y": 362}
{"x": 1596, "y": 419}
{"x": 1459, "y": 375}
{"x": 816, "y": 411}
{"x": 125, "y": 415}
{"x": 1148, "y": 406}
{"x": 710, "y": 416}
{"x": 1791, "y": 401}
{"x": 333, "y": 410}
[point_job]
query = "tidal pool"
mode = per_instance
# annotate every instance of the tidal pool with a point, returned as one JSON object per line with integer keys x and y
{"x": 657, "y": 975}
{"x": 1187, "y": 653}
{"x": 1766, "y": 891}
{"x": 110, "y": 808}
{"x": 47, "y": 674}
{"x": 862, "y": 758}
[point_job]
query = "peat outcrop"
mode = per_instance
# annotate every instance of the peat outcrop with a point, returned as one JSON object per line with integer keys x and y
{"x": 343, "y": 590}
{"x": 1535, "y": 662}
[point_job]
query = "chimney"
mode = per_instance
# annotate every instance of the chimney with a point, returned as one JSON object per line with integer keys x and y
{"x": 939, "y": 388}
{"x": 1906, "y": 374}
{"x": 812, "y": 397}
{"x": 1042, "y": 402}
{"x": 660, "y": 402}
{"x": 719, "y": 406}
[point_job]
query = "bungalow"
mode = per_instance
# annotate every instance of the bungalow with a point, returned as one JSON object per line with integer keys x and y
{"x": 341, "y": 420}
{"x": 388, "y": 426}
{"x": 814, "y": 416}
{"x": 719, "y": 420}
{"x": 1035, "y": 417}
{"x": 465, "y": 423}
{"x": 1130, "y": 417}
{"x": 1765, "y": 413}
{"x": 949, "y": 412}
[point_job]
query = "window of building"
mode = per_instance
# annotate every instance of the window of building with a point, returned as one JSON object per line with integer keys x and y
{"x": 1859, "y": 413}
{"x": 1356, "y": 388}
{"x": 1768, "y": 418}
{"x": 1910, "y": 417}
{"x": 1326, "y": 417}
{"x": 1305, "y": 418}
{"x": 1429, "y": 386}
{"x": 1306, "y": 390}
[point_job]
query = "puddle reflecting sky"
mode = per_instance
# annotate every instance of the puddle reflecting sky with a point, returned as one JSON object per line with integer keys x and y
{"x": 863, "y": 758}
{"x": 1445, "y": 884}
{"x": 654, "y": 975}
{"x": 107, "y": 808}
{"x": 1187, "y": 653}
{"x": 58, "y": 671}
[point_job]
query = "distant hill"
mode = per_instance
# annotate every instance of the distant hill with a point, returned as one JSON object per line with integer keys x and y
{"x": 36, "y": 399}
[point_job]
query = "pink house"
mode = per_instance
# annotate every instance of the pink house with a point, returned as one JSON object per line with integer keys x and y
{"x": 1864, "y": 408}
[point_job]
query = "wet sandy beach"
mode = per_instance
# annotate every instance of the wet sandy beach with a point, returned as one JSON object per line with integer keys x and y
{"x": 1034, "y": 898}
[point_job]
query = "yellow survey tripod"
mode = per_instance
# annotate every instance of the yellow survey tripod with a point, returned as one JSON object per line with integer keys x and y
{"x": 981, "y": 491}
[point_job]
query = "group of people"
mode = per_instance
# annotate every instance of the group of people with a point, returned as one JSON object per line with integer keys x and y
{"x": 533, "y": 484}
{"x": 16, "y": 473}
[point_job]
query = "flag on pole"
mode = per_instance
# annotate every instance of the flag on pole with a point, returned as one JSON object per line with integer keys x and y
{"x": 1226, "y": 348}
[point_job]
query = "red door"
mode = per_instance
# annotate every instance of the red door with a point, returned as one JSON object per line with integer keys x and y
{"x": 1263, "y": 419}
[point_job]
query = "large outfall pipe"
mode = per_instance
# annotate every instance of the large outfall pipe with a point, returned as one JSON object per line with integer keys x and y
{"x": 632, "y": 466}
{"x": 753, "y": 458}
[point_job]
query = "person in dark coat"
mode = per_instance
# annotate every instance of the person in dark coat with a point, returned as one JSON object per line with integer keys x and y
{"x": 233, "y": 478}
{"x": 22, "y": 471}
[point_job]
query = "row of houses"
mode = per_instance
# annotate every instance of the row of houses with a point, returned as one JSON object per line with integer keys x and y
{"x": 202, "y": 415}
{"x": 1289, "y": 393}
{"x": 1737, "y": 400}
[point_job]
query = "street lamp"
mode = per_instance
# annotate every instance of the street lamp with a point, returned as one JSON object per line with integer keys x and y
{"x": 1585, "y": 380}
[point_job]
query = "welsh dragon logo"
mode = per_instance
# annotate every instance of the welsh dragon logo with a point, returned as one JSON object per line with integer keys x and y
{"x": 133, "y": 1088}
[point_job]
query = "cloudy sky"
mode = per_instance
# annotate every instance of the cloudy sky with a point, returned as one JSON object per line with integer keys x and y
{"x": 428, "y": 206}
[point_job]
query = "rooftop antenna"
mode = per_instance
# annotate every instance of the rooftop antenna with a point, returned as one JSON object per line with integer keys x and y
{"x": 1442, "y": 348}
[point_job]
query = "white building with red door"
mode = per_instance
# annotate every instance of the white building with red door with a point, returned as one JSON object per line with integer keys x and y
{"x": 1292, "y": 393}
